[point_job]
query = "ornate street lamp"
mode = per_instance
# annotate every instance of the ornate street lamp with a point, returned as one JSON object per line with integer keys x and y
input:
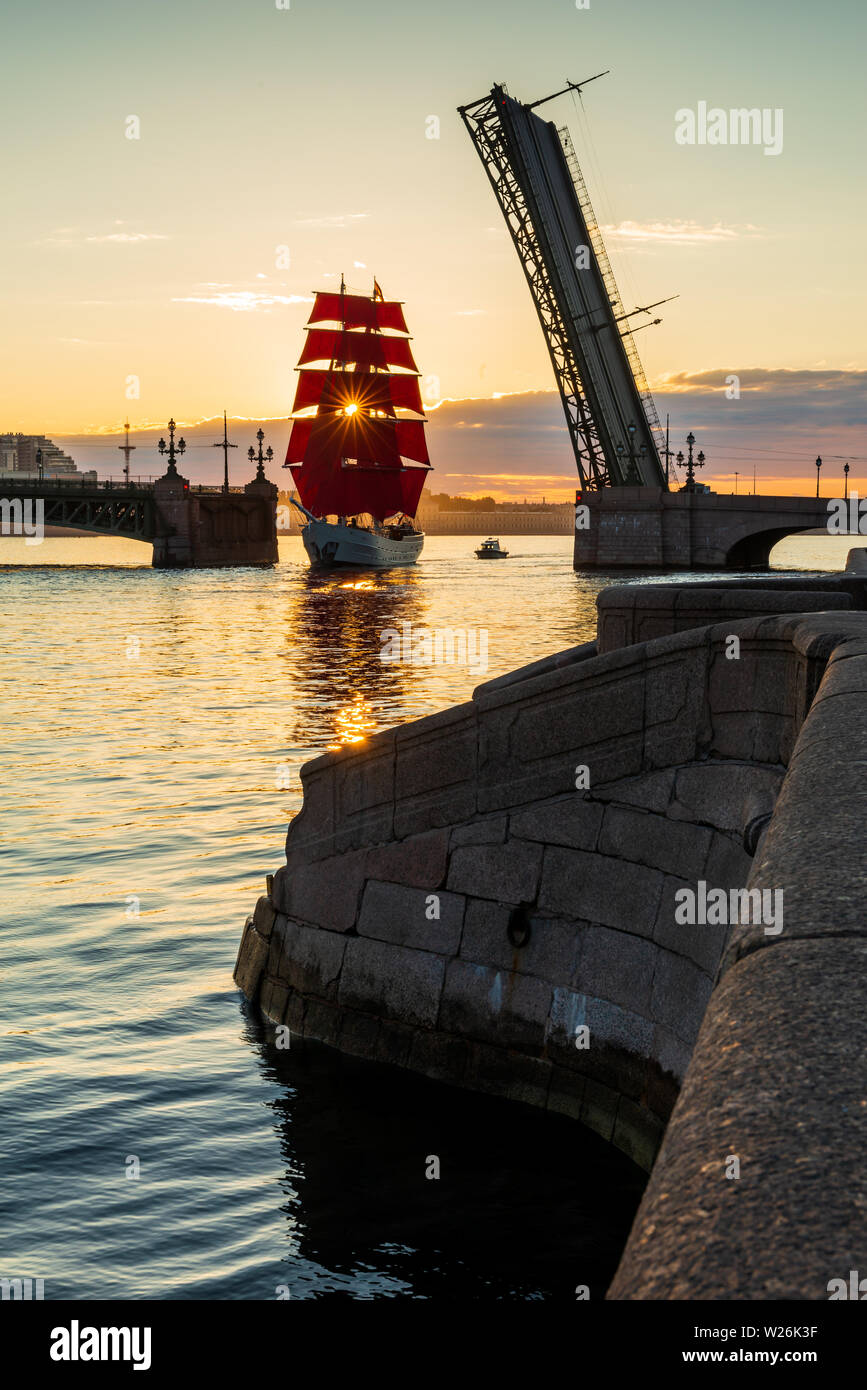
{"x": 846, "y": 480}
{"x": 260, "y": 458}
{"x": 173, "y": 449}
{"x": 818, "y": 466}
{"x": 692, "y": 464}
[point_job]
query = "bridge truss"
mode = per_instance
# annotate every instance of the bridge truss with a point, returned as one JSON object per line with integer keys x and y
{"x": 127, "y": 511}
{"x": 611, "y": 417}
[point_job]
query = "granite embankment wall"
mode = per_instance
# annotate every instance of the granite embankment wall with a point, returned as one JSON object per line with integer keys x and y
{"x": 452, "y": 902}
{"x": 778, "y": 1077}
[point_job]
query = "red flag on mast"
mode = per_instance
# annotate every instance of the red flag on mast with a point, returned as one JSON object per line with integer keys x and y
{"x": 377, "y": 292}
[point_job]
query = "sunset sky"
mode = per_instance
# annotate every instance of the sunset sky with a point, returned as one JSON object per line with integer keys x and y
{"x": 306, "y": 128}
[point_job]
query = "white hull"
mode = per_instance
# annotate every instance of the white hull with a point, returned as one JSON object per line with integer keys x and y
{"x": 329, "y": 544}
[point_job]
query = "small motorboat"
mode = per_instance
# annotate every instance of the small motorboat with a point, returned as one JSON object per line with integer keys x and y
{"x": 491, "y": 550}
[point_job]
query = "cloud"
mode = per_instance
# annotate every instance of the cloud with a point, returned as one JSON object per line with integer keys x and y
{"x": 469, "y": 313}
{"x": 71, "y": 236}
{"x": 808, "y": 385}
{"x": 129, "y": 237}
{"x": 337, "y": 219}
{"x": 782, "y": 420}
{"x": 517, "y": 444}
{"x": 242, "y": 301}
{"x": 678, "y": 232}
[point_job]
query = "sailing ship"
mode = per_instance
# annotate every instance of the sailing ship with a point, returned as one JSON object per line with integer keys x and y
{"x": 357, "y": 449}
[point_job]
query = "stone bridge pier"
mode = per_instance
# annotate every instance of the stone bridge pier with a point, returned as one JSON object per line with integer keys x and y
{"x": 649, "y": 528}
{"x": 200, "y": 530}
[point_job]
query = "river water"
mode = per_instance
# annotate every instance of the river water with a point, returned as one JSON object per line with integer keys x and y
{"x": 152, "y": 1144}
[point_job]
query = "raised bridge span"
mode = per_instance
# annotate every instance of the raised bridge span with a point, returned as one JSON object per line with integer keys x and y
{"x": 632, "y": 519}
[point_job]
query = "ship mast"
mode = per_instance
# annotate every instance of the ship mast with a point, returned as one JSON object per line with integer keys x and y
{"x": 342, "y": 519}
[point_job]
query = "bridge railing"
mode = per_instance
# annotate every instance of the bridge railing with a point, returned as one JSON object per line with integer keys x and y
{"x": 79, "y": 484}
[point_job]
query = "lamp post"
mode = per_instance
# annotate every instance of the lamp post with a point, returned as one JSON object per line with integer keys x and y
{"x": 668, "y": 454}
{"x": 846, "y": 480}
{"x": 736, "y": 482}
{"x": 173, "y": 449}
{"x": 631, "y": 472}
{"x": 818, "y": 466}
{"x": 692, "y": 463}
{"x": 225, "y": 446}
{"x": 39, "y": 469}
{"x": 260, "y": 458}
{"x": 126, "y": 449}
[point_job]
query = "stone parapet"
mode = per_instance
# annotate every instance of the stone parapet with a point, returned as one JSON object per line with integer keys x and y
{"x": 777, "y": 1080}
{"x": 489, "y": 896}
{"x": 634, "y": 613}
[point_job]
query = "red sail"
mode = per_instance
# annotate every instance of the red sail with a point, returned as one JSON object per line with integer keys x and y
{"x": 405, "y": 393}
{"x": 338, "y": 491}
{"x": 411, "y": 441}
{"x": 346, "y": 461}
{"x": 357, "y": 311}
{"x": 408, "y": 439}
{"x": 375, "y": 482}
{"x": 364, "y": 349}
{"x": 366, "y": 390}
{"x": 299, "y": 439}
{"x": 411, "y": 484}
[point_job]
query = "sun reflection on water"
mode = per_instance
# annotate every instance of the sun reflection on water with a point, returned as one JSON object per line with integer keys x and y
{"x": 353, "y": 723}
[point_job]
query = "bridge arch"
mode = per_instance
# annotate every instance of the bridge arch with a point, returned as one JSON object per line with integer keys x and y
{"x": 754, "y": 549}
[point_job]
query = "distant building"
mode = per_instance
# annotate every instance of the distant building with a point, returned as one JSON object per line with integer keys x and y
{"x": 442, "y": 515}
{"x": 8, "y": 453}
{"x": 18, "y": 456}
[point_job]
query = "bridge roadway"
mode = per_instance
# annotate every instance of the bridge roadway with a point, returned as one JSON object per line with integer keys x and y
{"x": 188, "y": 527}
